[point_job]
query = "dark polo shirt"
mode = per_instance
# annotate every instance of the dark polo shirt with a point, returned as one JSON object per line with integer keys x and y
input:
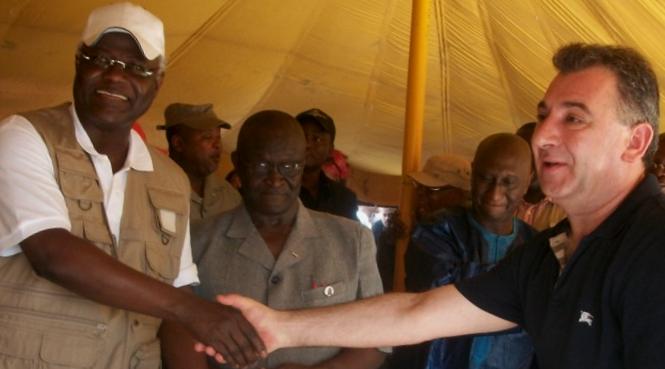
{"x": 334, "y": 198}
{"x": 606, "y": 309}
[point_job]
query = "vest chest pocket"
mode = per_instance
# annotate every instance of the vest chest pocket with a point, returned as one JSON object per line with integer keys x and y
{"x": 161, "y": 264}
{"x": 169, "y": 209}
{"x": 170, "y": 212}
{"x": 84, "y": 197}
{"x": 78, "y": 179}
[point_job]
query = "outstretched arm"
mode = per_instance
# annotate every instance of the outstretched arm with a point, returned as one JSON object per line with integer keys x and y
{"x": 388, "y": 320}
{"x": 79, "y": 266}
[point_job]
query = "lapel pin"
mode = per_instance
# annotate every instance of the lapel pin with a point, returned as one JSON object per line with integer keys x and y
{"x": 329, "y": 291}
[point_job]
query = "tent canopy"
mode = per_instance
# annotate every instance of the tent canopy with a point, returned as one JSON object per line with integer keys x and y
{"x": 488, "y": 65}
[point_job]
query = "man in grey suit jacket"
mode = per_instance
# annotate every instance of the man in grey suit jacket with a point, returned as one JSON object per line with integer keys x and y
{"x": 275, "y": 250}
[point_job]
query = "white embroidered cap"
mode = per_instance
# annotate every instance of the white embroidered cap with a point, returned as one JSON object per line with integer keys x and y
{"x": 445, "y": 170}
{"x": 143, "y": 26}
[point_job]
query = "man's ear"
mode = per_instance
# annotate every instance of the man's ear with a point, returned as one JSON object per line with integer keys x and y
{"x": 159, "y": 78}
{"x": 177, "y": 143}
{"x": 639, "y": 141}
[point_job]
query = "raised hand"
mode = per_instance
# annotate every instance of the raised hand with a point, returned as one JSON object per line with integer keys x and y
{"x": 225, "y": 331}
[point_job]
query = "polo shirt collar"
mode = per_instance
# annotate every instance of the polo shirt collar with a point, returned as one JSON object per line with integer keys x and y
{"x": 647, "y": 188}
{"x": 138, "y": 156}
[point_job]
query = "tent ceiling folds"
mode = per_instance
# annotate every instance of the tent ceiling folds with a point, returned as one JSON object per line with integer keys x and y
{"x": 488, "y": 61}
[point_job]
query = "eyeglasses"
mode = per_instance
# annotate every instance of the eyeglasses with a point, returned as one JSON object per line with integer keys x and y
{"x": 658, "y": 166}
{"x": 286, "y": 169}
{"x": 104, "y": 62}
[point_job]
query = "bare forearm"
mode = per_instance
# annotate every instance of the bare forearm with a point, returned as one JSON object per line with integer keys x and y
{"x": 389, "y": 320}
{"x": 366, "y": 323}
{"x": 80, "y": 267}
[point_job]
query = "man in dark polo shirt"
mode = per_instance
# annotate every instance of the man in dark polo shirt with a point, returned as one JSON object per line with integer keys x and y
{"x": 319, "y": 192}
{"x": 590, "y": 291}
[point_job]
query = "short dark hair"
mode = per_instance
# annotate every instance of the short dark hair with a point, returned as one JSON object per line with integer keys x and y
{"x": 636, "y": 81}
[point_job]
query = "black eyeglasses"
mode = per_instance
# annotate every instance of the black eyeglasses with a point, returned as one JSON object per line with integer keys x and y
{"x": 104, "y": 62}
{"x": 286, "y": 169}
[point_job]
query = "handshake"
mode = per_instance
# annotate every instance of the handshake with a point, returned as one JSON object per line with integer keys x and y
{"x": 251, "y": 330}
{"x": 241, "y": 340}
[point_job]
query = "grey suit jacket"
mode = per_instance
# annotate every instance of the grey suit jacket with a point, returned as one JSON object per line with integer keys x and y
{"x": 326, "y": 260}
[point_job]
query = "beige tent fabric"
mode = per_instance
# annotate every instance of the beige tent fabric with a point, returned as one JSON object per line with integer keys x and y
{"x": 489, "y": 61}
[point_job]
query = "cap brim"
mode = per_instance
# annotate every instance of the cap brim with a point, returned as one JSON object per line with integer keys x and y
{"x": 427, "y": 180}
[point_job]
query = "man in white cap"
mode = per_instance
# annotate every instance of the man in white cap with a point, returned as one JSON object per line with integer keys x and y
{"x": 193, "y": 135}
{"x": 94, "y": 236}
{"x": 444, "y": 182}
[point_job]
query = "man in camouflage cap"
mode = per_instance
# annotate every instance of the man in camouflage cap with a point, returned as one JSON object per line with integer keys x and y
{"x": 193, "y": 135}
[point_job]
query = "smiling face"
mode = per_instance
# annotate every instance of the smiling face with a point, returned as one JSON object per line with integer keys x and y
{"x": 500, "y": 176}
{"x": 112, "y": 98}
{"x": 580, "y": 142}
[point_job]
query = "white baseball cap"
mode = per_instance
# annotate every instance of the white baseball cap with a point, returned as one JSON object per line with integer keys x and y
{"x": 143, "y": 26}
{"x": 445, "y": 170}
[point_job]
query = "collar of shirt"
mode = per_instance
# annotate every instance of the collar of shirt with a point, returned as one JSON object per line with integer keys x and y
{"x": 646, "y": 189}
{"x": 497, "y": 244}
{"x": 138, "y": 156}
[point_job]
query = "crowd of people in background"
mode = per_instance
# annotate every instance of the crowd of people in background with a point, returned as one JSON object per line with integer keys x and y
{"x": 113, "y": 254}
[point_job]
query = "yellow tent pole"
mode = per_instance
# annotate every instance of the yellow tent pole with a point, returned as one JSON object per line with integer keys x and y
{"x": 413, "y": 128}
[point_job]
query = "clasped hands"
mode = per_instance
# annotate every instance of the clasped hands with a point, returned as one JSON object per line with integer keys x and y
{"x": 249, "y": 343}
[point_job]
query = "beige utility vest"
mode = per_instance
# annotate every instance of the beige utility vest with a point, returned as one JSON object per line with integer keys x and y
{"x": 43, "y": 325}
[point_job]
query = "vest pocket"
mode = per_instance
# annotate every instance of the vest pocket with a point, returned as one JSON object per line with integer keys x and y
{"x": 160, "y": 263}
{"x": 81, "y": 187}
{"x": 148, "y": 356}
{"x": 69, "y": 351}
{"x": 168, "y": 205}
{"x": 43, "y": 342}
